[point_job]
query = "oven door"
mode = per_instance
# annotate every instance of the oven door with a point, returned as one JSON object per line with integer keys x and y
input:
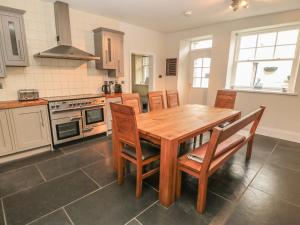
{"x": 67, "y": 129}
{"x": 94, "y": 120}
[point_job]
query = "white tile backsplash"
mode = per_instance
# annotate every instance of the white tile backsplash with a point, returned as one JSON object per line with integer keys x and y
{"x": 52, "y": 76}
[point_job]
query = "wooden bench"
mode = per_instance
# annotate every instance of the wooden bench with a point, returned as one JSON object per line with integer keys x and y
{"x": 223, "y": 144}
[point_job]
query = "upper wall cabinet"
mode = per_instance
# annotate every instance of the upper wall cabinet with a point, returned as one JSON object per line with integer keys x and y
{"x": 13, "y": 40}
{"x": 109, "y": 47}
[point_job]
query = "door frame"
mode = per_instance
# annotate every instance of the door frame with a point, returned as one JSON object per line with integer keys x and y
{"x": 152, "y": 79}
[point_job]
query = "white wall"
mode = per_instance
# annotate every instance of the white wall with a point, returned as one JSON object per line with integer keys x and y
{"x": 63, "y": 77}
{"x": 282, "y": 116}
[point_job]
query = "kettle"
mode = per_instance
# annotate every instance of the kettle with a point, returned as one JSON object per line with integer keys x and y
{"x": 118, "y": 87}
{"x": 106, "y": 88}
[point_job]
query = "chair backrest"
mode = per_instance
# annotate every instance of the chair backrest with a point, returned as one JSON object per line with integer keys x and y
{"x": 172, "y": 98}
{"x": 225, "y": 99}
{"x": 125, "y": 126}
{"x": 132, "y": 100}
{"x": 221, "y": 134}
{"x": 156, "y": 100}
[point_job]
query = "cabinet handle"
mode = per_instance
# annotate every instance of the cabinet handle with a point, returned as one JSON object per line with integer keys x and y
{"x": 42, "y": 118}
{"x": 119, "y": 66}
{"x": 106, "y": 56}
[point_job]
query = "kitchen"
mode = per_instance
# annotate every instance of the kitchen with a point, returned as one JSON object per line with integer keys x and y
{"x": 62, "y": 64}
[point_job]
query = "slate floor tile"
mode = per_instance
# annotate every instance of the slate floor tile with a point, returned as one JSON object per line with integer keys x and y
{"x": 17, "y": 180}
{"x": 280, "y": 182}
{"x": 16, "y": 164}
{"x": 1, "y": 215}
{"x": 102, "y": 171}
{"x": 231, "y": 180}
{"x": 56, "y": 218}
{"x": 259, "y": 208}
{"x": 33, "y": 203}
{"x": 114, "y": 204}
{"x": 134, "y": 222}
{"x": 68, "y": 163}
{"x": 183, "y": 211}
{"x": 286, "y": 156}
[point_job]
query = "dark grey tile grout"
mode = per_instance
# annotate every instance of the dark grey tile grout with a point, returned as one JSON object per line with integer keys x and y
{"x": 3, "y": 212}
{"x": 220, "y": 196}
{"x": 67, "y": 215}
{"x": 149, "y": 185}
{"x": 90, "y": 177}
{"x": 40, "y": 172}
{"x": 43, "y": 216}
{"x": 144, "y": 210}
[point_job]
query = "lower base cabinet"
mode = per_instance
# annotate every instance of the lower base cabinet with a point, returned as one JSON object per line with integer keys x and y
{"x": 24, "y": 129}
{"x": 6, "y": 145}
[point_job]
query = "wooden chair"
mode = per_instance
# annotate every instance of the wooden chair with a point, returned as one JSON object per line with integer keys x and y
{"x": 225, "y": 99}
{"x": 130, "y": 147}
{"x": 133, "y": 100}
{"x": 156, "y": 100}
{"x": 172, "y": 98}
{"x": 222, "y": 145}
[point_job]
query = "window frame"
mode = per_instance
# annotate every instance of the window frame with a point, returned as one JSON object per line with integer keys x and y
{"x": 200, "y": 53}
{"x": 296, "y": 59}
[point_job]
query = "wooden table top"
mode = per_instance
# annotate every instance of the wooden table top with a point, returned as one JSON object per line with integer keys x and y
{"x": 180, "y": 122}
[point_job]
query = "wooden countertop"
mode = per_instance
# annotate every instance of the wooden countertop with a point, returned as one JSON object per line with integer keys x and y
{"x": 19, "y": 104}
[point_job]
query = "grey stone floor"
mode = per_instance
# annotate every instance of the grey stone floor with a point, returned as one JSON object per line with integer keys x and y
{"x": 77, "y": 186}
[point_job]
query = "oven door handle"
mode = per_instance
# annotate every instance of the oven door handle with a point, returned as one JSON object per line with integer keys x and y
{"x": 76, "y": 118}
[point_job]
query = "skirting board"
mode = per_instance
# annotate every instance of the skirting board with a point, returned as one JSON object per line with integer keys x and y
{"x": 280, "y": 134}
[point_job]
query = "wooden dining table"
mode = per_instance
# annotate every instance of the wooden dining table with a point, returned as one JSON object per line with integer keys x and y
{"x": 172, "y": 126}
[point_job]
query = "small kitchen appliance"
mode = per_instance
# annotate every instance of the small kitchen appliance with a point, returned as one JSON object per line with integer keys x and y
{"x": 118, "y": 87}
{"x": 28, "y": 94}
{"x": 106, "y": 88}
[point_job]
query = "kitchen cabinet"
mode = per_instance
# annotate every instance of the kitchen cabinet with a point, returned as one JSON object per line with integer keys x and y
{"x": 109, "y": 47}
{"x": 108, "y": 111}
{"x": 2, "y": 66}
{"x": 13, "y": 40}
{"x": 6, "y": 145}
{"x": 30, "y": 127}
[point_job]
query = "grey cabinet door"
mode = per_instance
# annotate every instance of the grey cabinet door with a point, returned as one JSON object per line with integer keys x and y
{"x": 14, "y": 43}
{"x": 2, "y": 66}
{"x": 6, "y": 146}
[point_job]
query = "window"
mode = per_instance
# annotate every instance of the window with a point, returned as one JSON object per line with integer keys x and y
{"x": 266, "y": 59}
{"x": 200, "y": 62}
{"x": 202, "y": 44}
{"x": 201, "y": 72}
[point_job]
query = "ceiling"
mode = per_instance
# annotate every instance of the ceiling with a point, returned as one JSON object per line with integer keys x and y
{"x": 167, "y": 15}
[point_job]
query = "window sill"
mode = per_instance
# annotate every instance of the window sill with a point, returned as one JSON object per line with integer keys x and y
{"x": 265, "y": 92}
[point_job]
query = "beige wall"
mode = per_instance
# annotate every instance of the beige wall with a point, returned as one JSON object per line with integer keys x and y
{"x": 282, "y": 116}
{"x": 63, "y": 77}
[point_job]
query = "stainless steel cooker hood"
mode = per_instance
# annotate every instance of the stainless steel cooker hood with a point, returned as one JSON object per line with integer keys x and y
{"x": 64, "y": 50}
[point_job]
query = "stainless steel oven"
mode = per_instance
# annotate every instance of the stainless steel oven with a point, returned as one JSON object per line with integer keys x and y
{"x": 67, "y": 128}
{"x": 93, "y": 120}
{"x": 75, "y": 117}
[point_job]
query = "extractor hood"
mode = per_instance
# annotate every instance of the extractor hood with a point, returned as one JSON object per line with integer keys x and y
{"x": 64, "y": 50}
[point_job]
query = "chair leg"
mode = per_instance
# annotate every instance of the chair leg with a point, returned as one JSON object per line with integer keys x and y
{"x": 178, "y": 183}
{"x": 249, "y": 149}
{"x": 139, "y": 180}
{"x": 120, "y": 170}
{"x": 202, "y": 191}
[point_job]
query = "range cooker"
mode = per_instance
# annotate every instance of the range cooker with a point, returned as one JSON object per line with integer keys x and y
{"x": 76, "y": 116}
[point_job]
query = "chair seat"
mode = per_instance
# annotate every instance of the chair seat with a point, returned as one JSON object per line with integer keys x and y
{"x": 148, "y": 150}
{"x": 222, "y": 148}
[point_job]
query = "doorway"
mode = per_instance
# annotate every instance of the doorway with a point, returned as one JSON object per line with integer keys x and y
{"x": 142, "y": 77}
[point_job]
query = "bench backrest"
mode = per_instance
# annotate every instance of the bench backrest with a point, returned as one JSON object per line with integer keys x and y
{"x": 221, "y": 134}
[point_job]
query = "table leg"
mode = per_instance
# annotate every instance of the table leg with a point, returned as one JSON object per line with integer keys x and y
{"x": 168, "y": 164}
{"x": 115, "y": 150}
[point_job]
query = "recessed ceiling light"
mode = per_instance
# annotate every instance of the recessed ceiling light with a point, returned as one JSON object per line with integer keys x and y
{"x": 237, "y": 4}
{"x": 188, "y": 13}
